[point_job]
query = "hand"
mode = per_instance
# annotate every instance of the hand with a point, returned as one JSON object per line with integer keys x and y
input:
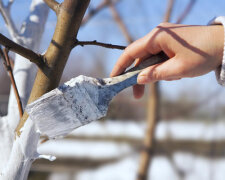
{"x": 192, "y": 51}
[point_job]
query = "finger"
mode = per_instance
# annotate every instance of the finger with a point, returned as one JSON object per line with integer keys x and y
{"x": 171, "y": 69}
{"x": 133, "y": 51}
{"x": 138, "y": 91}
{"x": 141, "y": 48}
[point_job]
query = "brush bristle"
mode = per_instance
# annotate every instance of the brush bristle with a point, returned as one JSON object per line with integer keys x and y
{"x": 65, "y": 108}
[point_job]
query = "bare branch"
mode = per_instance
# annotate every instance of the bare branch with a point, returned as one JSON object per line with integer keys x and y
{"x": 101, "y": 6}
{"x": 9, "y": 5}
{"x": 152, "y": 118}
{"x": 8, "y": 68}
{"x": 106, "y": 45}
{"x": 54, "y": 5}
{"x": 168, "y": 11}
{"x": 5, "y": 11}
{"x": 186, "y": 11}
{"x": 27, "y": 53}
{"x": 120, "y": 23}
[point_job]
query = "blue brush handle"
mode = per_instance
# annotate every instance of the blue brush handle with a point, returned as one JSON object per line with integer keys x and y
{"x": 129, "y": 78}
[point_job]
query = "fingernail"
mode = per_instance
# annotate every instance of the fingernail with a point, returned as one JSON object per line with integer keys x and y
{"x": 142, "y": 79}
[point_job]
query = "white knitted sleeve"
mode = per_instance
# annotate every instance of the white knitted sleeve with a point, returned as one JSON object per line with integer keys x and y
{"x": 220, "y": 71}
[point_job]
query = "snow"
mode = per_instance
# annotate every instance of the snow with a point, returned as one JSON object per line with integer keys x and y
{"x": 161, "y": 169}
{"x": 122, "y": 170}
{"x": 112, "y": 128}
{"x": 193, "y": 167}
{"x": 94, "y": 150}
{"x": 127, "y": 168}
{"x": 182, "y": 130}
{"x": 177, "y": 129}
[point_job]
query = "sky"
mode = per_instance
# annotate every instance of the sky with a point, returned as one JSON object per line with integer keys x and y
{"x": 140, "y": 16}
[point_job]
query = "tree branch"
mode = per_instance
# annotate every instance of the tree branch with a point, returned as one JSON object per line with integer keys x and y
{"x": 96, "y": 43}
{"x": 168, "y": 11}
{"x": 27, "y": 53}
{"x": 5, "y": 11}
{"x": 186, "y": 11}
{"x": 93, "y": 12}
{"x": 9, "y": 5}
{"x": 8, "y": 68}
{"x": 120, "y": 23}
{"x": 54, "y": 5}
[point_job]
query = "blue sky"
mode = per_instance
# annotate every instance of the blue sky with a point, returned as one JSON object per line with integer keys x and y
{"x": 140, "y": 16}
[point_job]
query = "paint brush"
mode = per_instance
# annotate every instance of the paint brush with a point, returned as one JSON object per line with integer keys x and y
{"x": 81, "y": 100}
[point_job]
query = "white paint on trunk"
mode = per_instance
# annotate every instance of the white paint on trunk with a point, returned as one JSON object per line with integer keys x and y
{"x": 17, "y": 155}
{"x": 24, "y": 152}
{"x": 25, "y": 71}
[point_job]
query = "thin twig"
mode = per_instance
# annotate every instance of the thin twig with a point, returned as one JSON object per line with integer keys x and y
{"x": 27, "y": 53}
{"x": 54, "y": 5}
{"x": 8, "y": 67}
{"x": 120, "y": 23}
{"x": 9, "y": 5}
{"x": 5, "y": 11}
{"x": 101, "y": 6}
{"x": 186, "y": 11}
{"x": 168, "y": 11}
{"x": 96, "y": 43}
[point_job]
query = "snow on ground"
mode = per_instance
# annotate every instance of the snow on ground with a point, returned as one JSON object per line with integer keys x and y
{"x": 162, "y": 168}
{"x": 197, "y": 130}
{"x": 94, "y": 150}
{"x": 112, "y": 128}
{"x": 192, "y": 166}
{"x": 196, "y": 168}
{"x": 175, "y": 129}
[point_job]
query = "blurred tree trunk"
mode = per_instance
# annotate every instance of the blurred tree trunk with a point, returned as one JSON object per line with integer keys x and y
{"x": 152, "y": 119}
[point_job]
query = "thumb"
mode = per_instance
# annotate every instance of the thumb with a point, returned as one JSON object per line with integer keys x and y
{"x": 171, "y": 69}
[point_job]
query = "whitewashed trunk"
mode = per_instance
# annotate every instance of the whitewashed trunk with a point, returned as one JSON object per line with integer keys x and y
{"x": 17, "y": 155}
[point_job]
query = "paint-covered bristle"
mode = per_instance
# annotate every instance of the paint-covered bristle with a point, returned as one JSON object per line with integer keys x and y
{"x": 68, "y": 107}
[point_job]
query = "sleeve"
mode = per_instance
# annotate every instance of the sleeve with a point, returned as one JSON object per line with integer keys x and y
{"x": 220, "y": 71}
